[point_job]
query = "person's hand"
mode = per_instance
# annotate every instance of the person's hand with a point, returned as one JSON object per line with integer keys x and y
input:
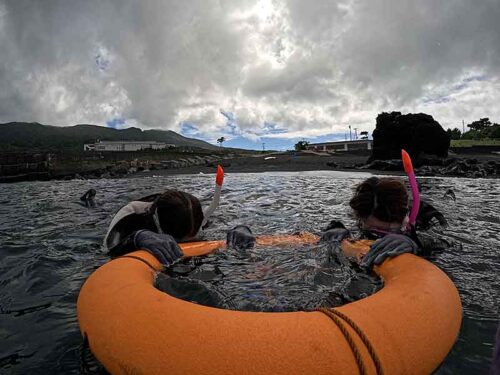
{"x": 240, "y": 238}
{"x": 162, "y": 246}
{"x": 334, "y": 235}
{"x": 387, "y": 247}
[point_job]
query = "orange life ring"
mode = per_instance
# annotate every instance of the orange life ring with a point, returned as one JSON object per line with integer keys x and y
{"x": 133, "y": 328}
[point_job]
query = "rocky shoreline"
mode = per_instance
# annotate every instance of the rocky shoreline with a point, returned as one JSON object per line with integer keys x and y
{"x": 470, "y": 166}
{"x": 447, "y": 167}
{"x": 133, "y": 167}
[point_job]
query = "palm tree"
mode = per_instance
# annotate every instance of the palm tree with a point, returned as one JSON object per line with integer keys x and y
{"x": 221, "y": 140}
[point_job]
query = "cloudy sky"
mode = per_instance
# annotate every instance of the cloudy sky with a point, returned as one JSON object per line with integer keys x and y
{"x": 255, "y": 72}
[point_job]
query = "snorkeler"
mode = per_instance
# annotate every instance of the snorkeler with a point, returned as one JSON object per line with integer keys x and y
{"x": 381, "y": 207}
{"x": 156, "y": 223}
{"x": 88, "y": 199}
{"x": 450, "y": 194}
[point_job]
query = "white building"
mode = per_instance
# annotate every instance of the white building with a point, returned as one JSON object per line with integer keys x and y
{"x": 126, "y": 146}
{"x": 360, "y": 144}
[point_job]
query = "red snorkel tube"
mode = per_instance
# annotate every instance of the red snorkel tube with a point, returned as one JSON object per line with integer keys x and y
{"x": 219, "y": 179}
{"x": 414, "y": 188}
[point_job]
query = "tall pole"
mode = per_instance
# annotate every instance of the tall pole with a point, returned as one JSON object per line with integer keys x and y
{"x": 355, "y": 134}
{"x": 463, "y": 127}
{"x": 263, "y": 146}
{"x": 350, "y": 134}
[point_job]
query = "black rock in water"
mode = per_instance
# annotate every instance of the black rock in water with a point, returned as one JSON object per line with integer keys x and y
{"x": 416, "y": 133}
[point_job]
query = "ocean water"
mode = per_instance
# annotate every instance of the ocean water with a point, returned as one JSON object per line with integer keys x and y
{"x": 50, "y": 244}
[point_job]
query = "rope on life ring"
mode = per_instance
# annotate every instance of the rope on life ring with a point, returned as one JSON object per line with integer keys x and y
{"x": 337, "y": 317}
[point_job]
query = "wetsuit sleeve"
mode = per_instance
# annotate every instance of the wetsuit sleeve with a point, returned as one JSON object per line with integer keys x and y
{"x": 125, "y": 246}
{"x": 149, "y": 198}
{"x": 429, "y": 244}
{"x": 334, "y": 224}
{"x": 428, "y": 215}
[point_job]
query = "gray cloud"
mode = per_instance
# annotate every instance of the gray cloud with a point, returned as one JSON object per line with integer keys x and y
{"x": 309, "y": 67}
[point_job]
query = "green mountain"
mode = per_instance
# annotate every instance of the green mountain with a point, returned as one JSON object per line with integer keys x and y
{"x": 23, "y": 136}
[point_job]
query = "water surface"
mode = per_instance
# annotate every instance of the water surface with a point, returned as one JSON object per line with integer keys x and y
{"x": 50, "y": 245}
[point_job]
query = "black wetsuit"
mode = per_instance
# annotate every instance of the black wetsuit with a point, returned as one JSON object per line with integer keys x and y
{"x": 127, "y": 226}
{"x": 88, "y": 198}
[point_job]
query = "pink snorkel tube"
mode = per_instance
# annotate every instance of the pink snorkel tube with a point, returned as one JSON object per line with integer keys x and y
{"x": 414, "y": 188}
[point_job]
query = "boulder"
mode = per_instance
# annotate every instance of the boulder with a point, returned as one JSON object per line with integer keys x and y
{"x": 385, "y": 165}
{"x": 416, "y": 133}
{"x": 426, "y": 171}
{"x": 120, "y": 171}
{"x": 223, "y": 164}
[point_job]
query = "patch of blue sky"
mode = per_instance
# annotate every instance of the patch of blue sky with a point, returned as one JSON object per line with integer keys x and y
{"x": 272, "y": 128}
{"x": 116, "y": 123}
{"x": 281, "y": 144}
{"x": 102, "y": 63}
{"x": 189, "y": 130}
{"x": 479, "y": 77}
{"x": 231, "y": 124}
{"x": 446, "y": 97}
{"x": 228, "y": 115}
{"x": 437, "y": 100}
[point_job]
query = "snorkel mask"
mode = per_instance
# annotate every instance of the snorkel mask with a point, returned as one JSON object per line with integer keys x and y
{"x": 372, "y": 231}
{"x": 408, "y": 166}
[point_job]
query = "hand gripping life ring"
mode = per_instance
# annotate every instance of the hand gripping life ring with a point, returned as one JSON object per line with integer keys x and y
{"x": 133, "y": 328}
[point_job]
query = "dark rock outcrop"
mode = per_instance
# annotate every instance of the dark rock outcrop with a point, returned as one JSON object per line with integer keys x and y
{"x": 384, "y": 165}
{"x": 416, "y": 133}
{"x": 471, "y": 168}
{"x": 451, "y": 167}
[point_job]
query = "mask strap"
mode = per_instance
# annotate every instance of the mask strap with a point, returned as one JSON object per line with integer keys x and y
{"x": 156, "y": 220}
{"x": 153, "y": 211}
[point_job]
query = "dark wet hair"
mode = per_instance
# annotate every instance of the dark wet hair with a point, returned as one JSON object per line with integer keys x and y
{"x": 179, "y": 213}
{"x": 384, "y": 198}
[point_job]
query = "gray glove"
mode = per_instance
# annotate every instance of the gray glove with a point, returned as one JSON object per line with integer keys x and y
{"x": 162, "y": 246}
{"x": 334, "y": 235}
{"x": 387, "y": 247}
{"x": 240, "y": 238}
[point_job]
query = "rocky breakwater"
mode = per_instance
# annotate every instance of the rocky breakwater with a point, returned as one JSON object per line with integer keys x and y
{"x": 125, "y": 168}
{"x": 452, "y": 167}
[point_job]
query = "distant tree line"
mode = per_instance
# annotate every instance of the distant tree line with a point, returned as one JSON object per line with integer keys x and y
{"x": 301, "y": 145}
{"x": 480, "y": 129}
